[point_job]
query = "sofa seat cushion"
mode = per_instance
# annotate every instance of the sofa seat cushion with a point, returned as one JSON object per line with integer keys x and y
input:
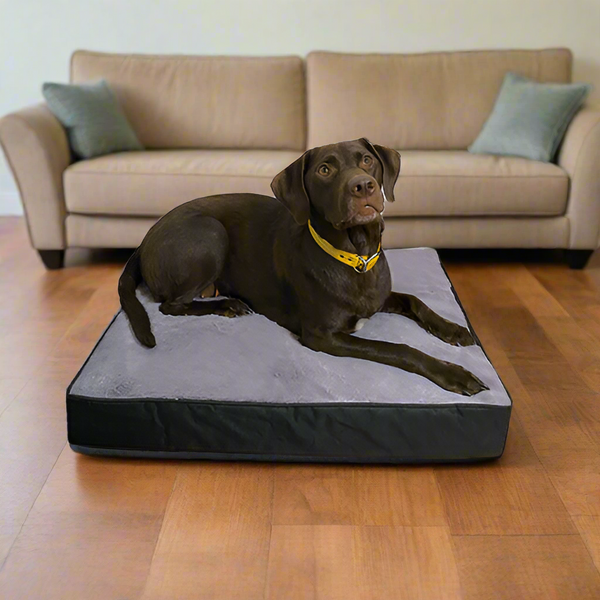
{"x": 457, "y": 184}
{"x": 152, "y": 183}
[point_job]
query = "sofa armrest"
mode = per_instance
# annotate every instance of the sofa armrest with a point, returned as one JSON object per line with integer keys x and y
{"x": 580, "y": 158}
{"x": 37, "y": 151}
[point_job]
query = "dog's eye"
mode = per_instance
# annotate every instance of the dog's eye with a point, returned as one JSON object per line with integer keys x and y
{"x": 367, "y": 160}
{"x": 324, "y": 170}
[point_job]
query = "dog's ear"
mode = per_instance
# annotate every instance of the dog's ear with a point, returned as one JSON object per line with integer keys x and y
{"x": 290, "y": 190}
{"x": 390, "y": 162}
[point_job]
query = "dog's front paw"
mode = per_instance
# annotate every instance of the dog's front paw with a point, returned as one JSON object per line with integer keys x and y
{"x": 451, "y": 333}
{"x": 455, "y": 378}
{"x": 459, "y": 336}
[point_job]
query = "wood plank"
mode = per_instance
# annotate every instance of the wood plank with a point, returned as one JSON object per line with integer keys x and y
{"x": 21, "y": 355}
{"x": 535, "y": 358}
{"x": 92, "y": 531}
{"x": 513, "y": 495}
{"x": 39, "y": 323}
{"x": 559, "y": 408}
{"x": 32, "y": 435}
{"x": 370, "y": 563}
{"x": 589, "y": 529}
{"x": 311, "y": 562}
{"x": 413, "y": 563}
{"x": 82, "y": 335}
{"x": 9, "y": 389}
{"x": 38, "y": 299}
{"x": 578, "y": 345}
{"x": 533, "y": 295}
{"x": 576, "y": 291}
{"x": 564, "y": 432}
{"x": 575, "y": 471}
{"x": 215, "y": 538}
{"x": 33, "y": 426}
{"x": 368, "y": 495}
{"x": 526, "y": 567}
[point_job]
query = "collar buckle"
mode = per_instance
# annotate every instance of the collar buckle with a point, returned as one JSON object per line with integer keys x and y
{"x": 361, "y": 267}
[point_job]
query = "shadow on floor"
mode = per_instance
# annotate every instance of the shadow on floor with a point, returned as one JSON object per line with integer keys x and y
{"x": 79, "y": 257}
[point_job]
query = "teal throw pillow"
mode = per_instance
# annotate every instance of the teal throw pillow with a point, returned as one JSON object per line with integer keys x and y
{"x": 91, "y": 114}
{"x": 529, "y": 119}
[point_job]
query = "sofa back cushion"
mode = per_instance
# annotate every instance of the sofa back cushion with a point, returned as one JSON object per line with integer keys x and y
{"x": 433, "y": 101}
{"x": 205, "y": 101}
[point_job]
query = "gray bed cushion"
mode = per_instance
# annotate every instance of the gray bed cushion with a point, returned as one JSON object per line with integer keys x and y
{"x": 251, "y": 361}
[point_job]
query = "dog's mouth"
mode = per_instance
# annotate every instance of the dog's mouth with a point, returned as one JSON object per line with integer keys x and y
{"x": 362, "y": 215}
{"x": 368, "y": 210}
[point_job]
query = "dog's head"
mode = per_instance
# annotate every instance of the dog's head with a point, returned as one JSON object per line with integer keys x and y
{"x": 345, "y": 183}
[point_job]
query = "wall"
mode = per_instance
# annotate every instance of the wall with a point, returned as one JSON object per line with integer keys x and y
{"x": 38, "y": 36}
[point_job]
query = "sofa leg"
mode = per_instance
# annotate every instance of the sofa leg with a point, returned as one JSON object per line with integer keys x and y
{"x": 577, "y": 259}
{"x": 52, "y": 259}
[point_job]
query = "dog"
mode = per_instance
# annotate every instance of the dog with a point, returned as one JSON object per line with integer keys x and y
{"x": 309, "y": 259}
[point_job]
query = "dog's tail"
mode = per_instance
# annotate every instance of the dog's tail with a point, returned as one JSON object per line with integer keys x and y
{"x": 138, "y": 317}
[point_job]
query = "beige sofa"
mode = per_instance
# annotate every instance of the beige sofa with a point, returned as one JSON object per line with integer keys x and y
{"x": 229, "y": 124}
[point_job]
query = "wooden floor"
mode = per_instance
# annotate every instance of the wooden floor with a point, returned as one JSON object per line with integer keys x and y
{"x": 524, "y": 527}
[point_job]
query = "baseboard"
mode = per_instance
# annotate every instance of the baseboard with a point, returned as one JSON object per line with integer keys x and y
{"x": 10, "y": 204}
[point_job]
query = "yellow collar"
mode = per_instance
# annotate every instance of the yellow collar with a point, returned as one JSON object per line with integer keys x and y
{"x": 361, "y": 264}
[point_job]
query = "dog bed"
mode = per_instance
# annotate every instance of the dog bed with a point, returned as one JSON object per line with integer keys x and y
{"x": 246, "y": 389}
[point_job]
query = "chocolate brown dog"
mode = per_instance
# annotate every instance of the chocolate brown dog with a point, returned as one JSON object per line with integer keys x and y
{"x": 310, "y": 262}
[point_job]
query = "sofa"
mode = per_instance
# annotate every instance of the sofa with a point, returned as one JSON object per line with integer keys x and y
{"x": 215, "y": 125}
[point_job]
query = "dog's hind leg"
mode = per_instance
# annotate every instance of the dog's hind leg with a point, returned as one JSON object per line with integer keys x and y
{"x": 185, "y": 302}
{"x": 183, "y": 264}
{"x": 224, "y": 307}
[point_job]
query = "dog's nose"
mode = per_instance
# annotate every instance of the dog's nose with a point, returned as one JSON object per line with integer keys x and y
{"x": 361, "y": 186}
